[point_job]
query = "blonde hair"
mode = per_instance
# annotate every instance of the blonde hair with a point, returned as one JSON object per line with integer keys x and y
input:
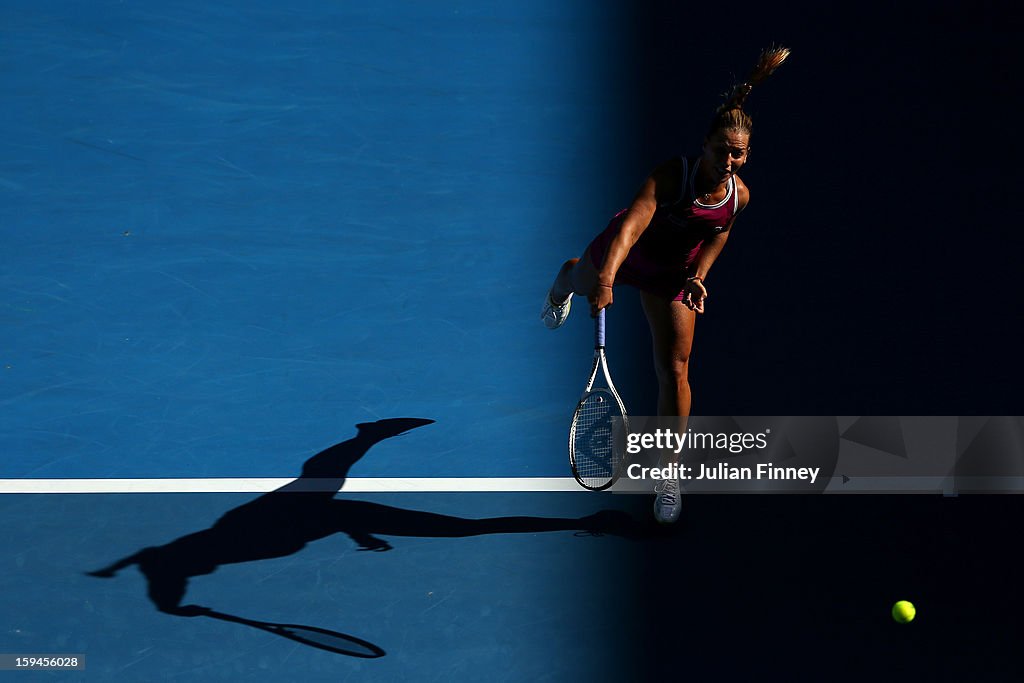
{"x": 730, "y": 115}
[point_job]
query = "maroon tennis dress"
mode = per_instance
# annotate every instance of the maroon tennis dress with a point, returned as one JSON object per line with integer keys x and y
{"x": 660, "y": 260}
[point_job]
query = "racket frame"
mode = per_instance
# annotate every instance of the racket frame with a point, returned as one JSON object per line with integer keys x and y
{"x": 600, "y": 363}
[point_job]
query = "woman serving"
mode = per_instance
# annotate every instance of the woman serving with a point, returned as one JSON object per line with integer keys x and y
{"x": 665, "y": 243}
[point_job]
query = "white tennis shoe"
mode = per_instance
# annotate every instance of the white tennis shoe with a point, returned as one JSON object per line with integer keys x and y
{"x": 668, "y": 504}
{"x": 553, "y": 314}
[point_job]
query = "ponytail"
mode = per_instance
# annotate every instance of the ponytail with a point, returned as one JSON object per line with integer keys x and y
{"x": 730, "y": 114}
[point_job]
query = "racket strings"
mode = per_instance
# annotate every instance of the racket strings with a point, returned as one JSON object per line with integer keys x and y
{"x": 596, "y": 458}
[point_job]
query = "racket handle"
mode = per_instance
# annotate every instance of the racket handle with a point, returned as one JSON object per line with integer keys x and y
{"x": 599, "y": 330}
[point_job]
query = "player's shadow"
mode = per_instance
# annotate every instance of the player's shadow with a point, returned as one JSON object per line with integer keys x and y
{"x": 282, "y": 522}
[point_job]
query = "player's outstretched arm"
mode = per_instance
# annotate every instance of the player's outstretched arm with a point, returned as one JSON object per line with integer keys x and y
{"x": 661, "y": 186}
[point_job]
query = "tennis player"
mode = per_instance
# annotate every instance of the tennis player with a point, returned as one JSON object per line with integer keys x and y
{"x": 664, "y": 244}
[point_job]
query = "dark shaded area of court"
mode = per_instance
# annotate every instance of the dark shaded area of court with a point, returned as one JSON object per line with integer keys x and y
{"x": 800, "y": 587}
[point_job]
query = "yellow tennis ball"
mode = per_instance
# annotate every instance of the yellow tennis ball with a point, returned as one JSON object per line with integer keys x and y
{"x": 904, "y": 611}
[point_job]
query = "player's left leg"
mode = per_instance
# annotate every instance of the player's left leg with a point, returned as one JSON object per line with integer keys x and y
{"x": 672, "y": 332}
{"x": 672, "y": 326}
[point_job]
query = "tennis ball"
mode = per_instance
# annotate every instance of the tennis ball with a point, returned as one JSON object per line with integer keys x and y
{"x": 904, "y": 611}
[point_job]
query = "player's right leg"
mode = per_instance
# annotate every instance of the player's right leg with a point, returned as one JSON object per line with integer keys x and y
{"x": 576, "y": 276}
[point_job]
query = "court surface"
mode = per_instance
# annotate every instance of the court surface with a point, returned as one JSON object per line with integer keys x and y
{"x": 234, "y": 233}
{"x": 231, "y": 234}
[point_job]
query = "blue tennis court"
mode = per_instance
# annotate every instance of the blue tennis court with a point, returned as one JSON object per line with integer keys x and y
{"x": 269, "y": 288}
{"x": 232, "y": 233}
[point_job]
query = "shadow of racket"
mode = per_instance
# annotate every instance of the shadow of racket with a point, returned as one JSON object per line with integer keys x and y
{"x": 321, "y": 638}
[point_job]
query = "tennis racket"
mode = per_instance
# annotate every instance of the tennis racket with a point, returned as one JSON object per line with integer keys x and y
{"x": 595, "y": 458}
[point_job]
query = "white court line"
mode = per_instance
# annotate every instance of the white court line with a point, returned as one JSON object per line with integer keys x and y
{"x": 253, "y": 485}
{"x": 478, "y": 485}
